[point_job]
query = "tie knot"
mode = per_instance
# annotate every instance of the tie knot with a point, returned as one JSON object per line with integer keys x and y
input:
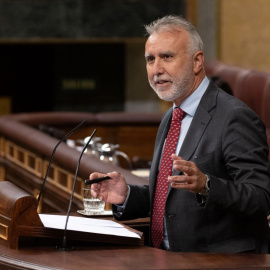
{"x": 178, "y": 114}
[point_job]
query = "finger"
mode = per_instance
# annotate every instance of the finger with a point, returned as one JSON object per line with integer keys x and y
{"x": 94, "y": 193}
{"x": 183, "y": 185}
{"x": 181, "y": 161}
{"x": 175, "y": 157}
{"x": 181, "y": 179}
{"x": 114, "y": 175}
{"x": 95, "y": 175}
{"x": 95, "y": 187}
{"x": 187, "y": 167}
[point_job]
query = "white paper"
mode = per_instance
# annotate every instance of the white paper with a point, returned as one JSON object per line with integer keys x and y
{"x": 82, "y": 224}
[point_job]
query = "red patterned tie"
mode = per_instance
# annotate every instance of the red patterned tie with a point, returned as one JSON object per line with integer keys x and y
{"x": 165, "y": 170}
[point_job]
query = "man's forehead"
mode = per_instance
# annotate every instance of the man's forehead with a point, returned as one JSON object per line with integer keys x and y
{"x": 165, "y": 41}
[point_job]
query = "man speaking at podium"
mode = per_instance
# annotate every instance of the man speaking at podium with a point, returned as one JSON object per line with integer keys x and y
{"x": 209, "y": 185}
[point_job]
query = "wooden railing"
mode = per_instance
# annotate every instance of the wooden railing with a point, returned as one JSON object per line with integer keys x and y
{"x": 25, "y": 152}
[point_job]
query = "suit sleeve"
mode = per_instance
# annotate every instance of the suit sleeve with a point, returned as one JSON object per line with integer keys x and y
{"x": 245, "y": 153}
{"x": 137, "y": 205}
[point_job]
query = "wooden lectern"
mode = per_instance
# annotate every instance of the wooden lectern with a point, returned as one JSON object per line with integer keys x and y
{"x": 19, "y": 218}
{"x": 17, "y": 208}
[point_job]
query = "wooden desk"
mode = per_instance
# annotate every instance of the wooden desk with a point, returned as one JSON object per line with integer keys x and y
{"x": 122, "y": 258}
{"x": 18, "y": 212}
{"x": 41, "y": 254}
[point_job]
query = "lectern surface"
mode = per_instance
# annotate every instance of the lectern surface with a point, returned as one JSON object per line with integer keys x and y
{"x": 108, "y": 257}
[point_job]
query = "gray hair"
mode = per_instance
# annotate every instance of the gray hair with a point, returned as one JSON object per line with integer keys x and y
{"x": 173, "y": 23}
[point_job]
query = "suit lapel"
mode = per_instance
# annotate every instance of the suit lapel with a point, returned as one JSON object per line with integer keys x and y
{"x": 198, "y": 125}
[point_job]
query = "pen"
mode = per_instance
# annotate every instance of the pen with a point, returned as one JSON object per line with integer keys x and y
{"x": 97, "y": 180}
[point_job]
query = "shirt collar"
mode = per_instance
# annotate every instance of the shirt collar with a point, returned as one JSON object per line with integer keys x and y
{"x": 190, "y": 104}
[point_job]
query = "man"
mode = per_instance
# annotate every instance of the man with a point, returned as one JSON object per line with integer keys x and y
{"x": 217, "y": 198}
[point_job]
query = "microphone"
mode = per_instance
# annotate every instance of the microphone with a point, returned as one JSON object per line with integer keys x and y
{"x": 64, "y": 244}
{"x": 52, "y": 156}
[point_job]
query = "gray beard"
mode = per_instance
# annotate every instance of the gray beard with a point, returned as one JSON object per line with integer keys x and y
{"x": 179, "y": 88}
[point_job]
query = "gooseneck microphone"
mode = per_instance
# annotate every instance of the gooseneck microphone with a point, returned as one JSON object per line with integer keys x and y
{"x": 64, "y": 244}
{"x": 52, "y": 156}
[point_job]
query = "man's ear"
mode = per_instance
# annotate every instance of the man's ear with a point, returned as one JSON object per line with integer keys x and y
{"x": 198, "y": 60}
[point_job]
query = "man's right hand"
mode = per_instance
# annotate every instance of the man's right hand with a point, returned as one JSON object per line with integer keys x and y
{"x": 112, "y": 191}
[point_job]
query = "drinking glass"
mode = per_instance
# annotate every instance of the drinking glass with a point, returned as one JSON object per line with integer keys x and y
{"x": 92, "y": 206}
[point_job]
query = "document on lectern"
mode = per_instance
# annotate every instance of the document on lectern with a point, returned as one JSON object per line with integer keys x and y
{"x": 88, "y": 225}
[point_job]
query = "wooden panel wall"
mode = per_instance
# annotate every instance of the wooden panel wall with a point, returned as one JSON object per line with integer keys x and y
{"x": 244, "y": 35}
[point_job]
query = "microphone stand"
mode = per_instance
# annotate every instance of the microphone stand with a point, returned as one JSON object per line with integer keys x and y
{"x": 64, "y": 138}
{"x": 64, "y": 243}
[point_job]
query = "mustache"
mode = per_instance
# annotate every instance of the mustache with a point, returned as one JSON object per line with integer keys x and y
{"x": 158, "y": 78}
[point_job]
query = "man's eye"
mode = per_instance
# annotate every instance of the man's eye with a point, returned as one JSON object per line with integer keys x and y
{"x": 167, "y": 56}
{"x": 149, "y": 59}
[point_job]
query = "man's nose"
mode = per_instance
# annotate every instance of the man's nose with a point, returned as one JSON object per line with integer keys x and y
{"x": 158, "y": 67}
